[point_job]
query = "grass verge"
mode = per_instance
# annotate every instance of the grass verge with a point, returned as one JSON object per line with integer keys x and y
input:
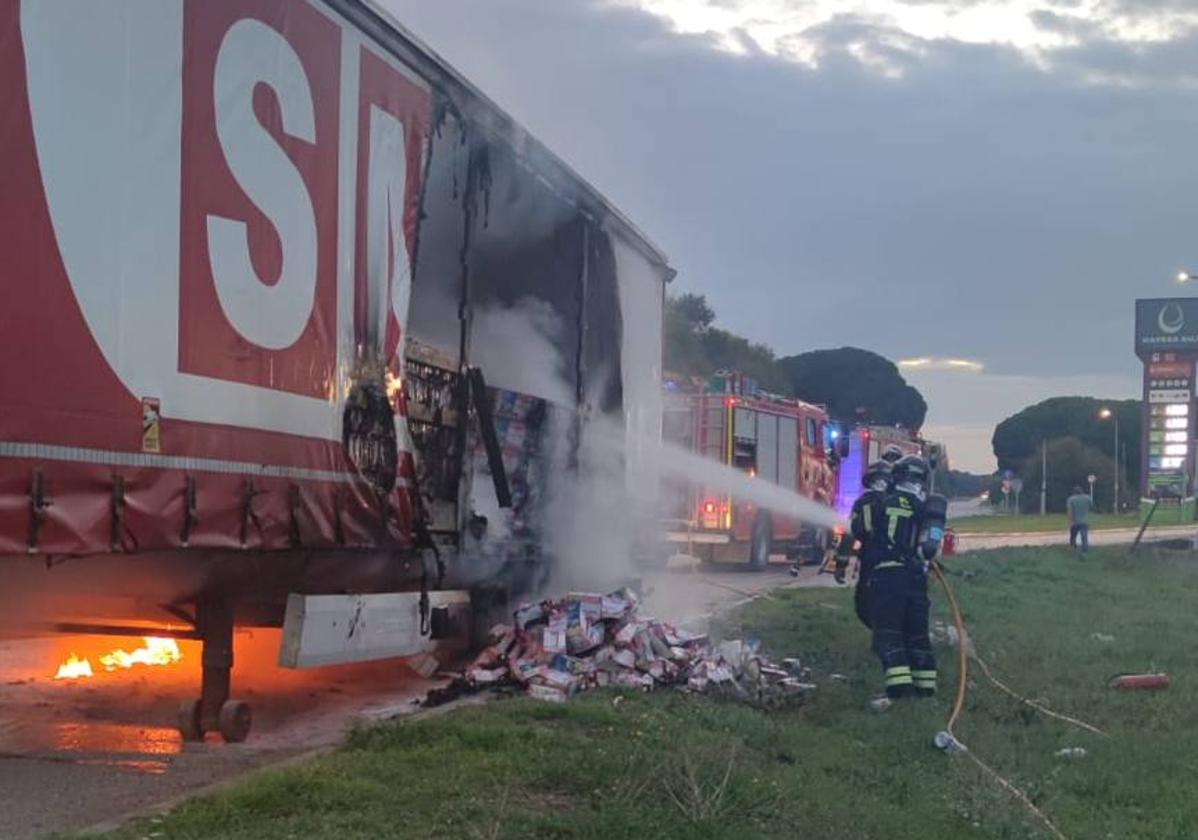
{"x": 1031, "y": 523}
{"x": 667, "y": 765}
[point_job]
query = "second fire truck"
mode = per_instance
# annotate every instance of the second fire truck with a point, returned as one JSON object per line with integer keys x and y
{"x": 781, "y": 440}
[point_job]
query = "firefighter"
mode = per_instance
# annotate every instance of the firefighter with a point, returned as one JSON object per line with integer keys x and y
{"x": 865, "y": 529}
{"x": 913, "y": 528}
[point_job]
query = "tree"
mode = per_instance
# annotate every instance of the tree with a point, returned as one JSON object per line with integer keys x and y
{"x": 684, "y": 352}
{"x": 1018, "y": 438}
{"x": 1070, "y": 462}
{"x": 962, "y": 485}
{"x": 856, "y": 385}
{"x": 695, "y": 347}
{"x": 692, "y": 310}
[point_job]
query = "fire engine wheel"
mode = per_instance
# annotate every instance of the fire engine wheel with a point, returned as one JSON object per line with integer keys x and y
{"x": 814, "y": 554}
{"x": 762, "y": 541}
{"x": 235, "y": 721}
{"x": 189, "y": 721}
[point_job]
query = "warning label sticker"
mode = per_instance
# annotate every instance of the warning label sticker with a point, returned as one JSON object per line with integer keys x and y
{"x": 151, "y": 425}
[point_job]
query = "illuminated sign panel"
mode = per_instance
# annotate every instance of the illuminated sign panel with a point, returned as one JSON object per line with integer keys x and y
{"x": 1167, "y": 342}
{"x": 1167, "y": 325}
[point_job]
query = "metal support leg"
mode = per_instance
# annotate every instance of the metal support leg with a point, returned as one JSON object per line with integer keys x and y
{"x": 214, "y": 711}
{"x": 214, "y": 615}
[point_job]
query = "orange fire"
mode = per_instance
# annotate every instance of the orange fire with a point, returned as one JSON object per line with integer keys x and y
{"x": 155, "y": 651}
{"x": 394, "y": 385}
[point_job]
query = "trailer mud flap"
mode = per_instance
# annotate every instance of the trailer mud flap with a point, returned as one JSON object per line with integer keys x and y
{"x": 337, "y": 629}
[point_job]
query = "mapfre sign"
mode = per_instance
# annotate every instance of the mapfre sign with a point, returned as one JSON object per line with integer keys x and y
{"x": 1166, "y": 325}
{"x": 207, "y": 203}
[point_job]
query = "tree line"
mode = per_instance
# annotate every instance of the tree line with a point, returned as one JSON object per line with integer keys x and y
{"x": 856, "y": 385}
{"x": 1080, "y": 442}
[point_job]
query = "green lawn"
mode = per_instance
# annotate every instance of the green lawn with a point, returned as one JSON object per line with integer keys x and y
{"x": 1026, "y": 523}
{"x": 624, "y": 765}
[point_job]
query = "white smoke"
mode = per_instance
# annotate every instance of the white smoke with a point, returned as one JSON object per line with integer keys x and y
{"x": 517, "y": 349}
{"x": 596, "y": 522}
{"x": 585, "y": 527}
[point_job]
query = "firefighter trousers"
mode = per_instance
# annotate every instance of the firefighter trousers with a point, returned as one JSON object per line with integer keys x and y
{"x": 865, "y": 568}
{"x": 861, "y": 601}
{"x": 898, "y": 612}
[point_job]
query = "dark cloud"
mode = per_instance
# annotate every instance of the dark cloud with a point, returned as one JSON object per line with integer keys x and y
{"x": 748, "y": 43}
{"x": 856, "y": 40}
{"x": 977, "y": 205}
{"x": 1138, "y": 7}
{"x": 1152, "y": 67}
{"x": 952, "y": 5}
{"x": 1072, "y": 26}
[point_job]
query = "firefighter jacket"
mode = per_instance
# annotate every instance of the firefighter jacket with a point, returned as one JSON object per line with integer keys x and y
{"x": 902, "y": 525}
{"x": 867, "y": 524}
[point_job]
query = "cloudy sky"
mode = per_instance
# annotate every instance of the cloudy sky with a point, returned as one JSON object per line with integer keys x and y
{"x": 993, "y": 180}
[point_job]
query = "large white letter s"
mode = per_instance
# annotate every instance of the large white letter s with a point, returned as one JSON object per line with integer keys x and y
{"x": 275, "y": 316}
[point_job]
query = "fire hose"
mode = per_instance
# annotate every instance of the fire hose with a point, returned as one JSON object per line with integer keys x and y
{"x": 947, "y": 740}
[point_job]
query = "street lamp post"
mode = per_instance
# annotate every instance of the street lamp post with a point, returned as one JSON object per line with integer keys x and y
{"x": 1108, "y": 414}
{"x": 1044, "y": 477}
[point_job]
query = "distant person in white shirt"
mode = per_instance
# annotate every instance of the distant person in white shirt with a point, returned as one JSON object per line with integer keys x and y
{"x": 1079, "y": 506}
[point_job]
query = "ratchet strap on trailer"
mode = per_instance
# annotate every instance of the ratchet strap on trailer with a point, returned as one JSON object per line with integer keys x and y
{"x": 425, "y": 608}
{"x": 486, "y": 428}
{"x": 425, "y": 542}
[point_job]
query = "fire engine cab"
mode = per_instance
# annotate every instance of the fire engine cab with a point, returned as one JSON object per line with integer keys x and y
{"x": 781, "y": 440}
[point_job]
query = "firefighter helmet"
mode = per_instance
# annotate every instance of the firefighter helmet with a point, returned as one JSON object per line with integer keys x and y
{"x": 892, "y": 454}
{"x": 911, "y": 473}
{"x": 876, "y": 473}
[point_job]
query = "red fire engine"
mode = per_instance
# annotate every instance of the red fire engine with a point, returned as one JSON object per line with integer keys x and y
{"x": 785, "y": 441}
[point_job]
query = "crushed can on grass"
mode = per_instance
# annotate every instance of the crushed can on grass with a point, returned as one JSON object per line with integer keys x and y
{"x": 1136, "y": 682}
{"x": 946, "y": 742}
{"x": 1072, "y": 752}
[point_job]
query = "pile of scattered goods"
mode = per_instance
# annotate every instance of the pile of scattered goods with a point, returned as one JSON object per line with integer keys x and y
{"x": 557, "y": 648}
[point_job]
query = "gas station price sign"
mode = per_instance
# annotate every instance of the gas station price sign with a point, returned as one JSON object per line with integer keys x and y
{"x": 1169, "y": 383}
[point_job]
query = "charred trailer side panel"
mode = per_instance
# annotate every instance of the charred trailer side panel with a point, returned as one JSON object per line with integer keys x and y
{"x": 255, "y": 254}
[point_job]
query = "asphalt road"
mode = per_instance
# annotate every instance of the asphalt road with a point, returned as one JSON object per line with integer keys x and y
{"x": 74, "y": 754}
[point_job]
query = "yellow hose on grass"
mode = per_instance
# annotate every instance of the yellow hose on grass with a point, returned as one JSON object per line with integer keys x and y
{"x": 951, "y": 743}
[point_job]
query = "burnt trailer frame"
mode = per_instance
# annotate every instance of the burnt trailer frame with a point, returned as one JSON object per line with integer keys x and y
{"x": 212, "y": 589}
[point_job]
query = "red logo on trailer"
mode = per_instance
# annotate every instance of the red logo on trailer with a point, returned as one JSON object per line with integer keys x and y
{"x": 258, "y": 246}
{"x": 224, "y": 254}
{"x": 188, "y": 186}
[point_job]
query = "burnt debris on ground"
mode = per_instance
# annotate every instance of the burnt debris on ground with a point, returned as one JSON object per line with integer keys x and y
{"x": 554, "y": 649}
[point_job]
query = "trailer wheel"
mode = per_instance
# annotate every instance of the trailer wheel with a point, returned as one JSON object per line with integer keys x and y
{"x": 189, "y": 720}
{"x": 762, "y": 541}
{"x": 236, "y": 718}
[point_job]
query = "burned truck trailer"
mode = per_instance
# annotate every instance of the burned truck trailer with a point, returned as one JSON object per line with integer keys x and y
{"x": 290, "y": 310}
